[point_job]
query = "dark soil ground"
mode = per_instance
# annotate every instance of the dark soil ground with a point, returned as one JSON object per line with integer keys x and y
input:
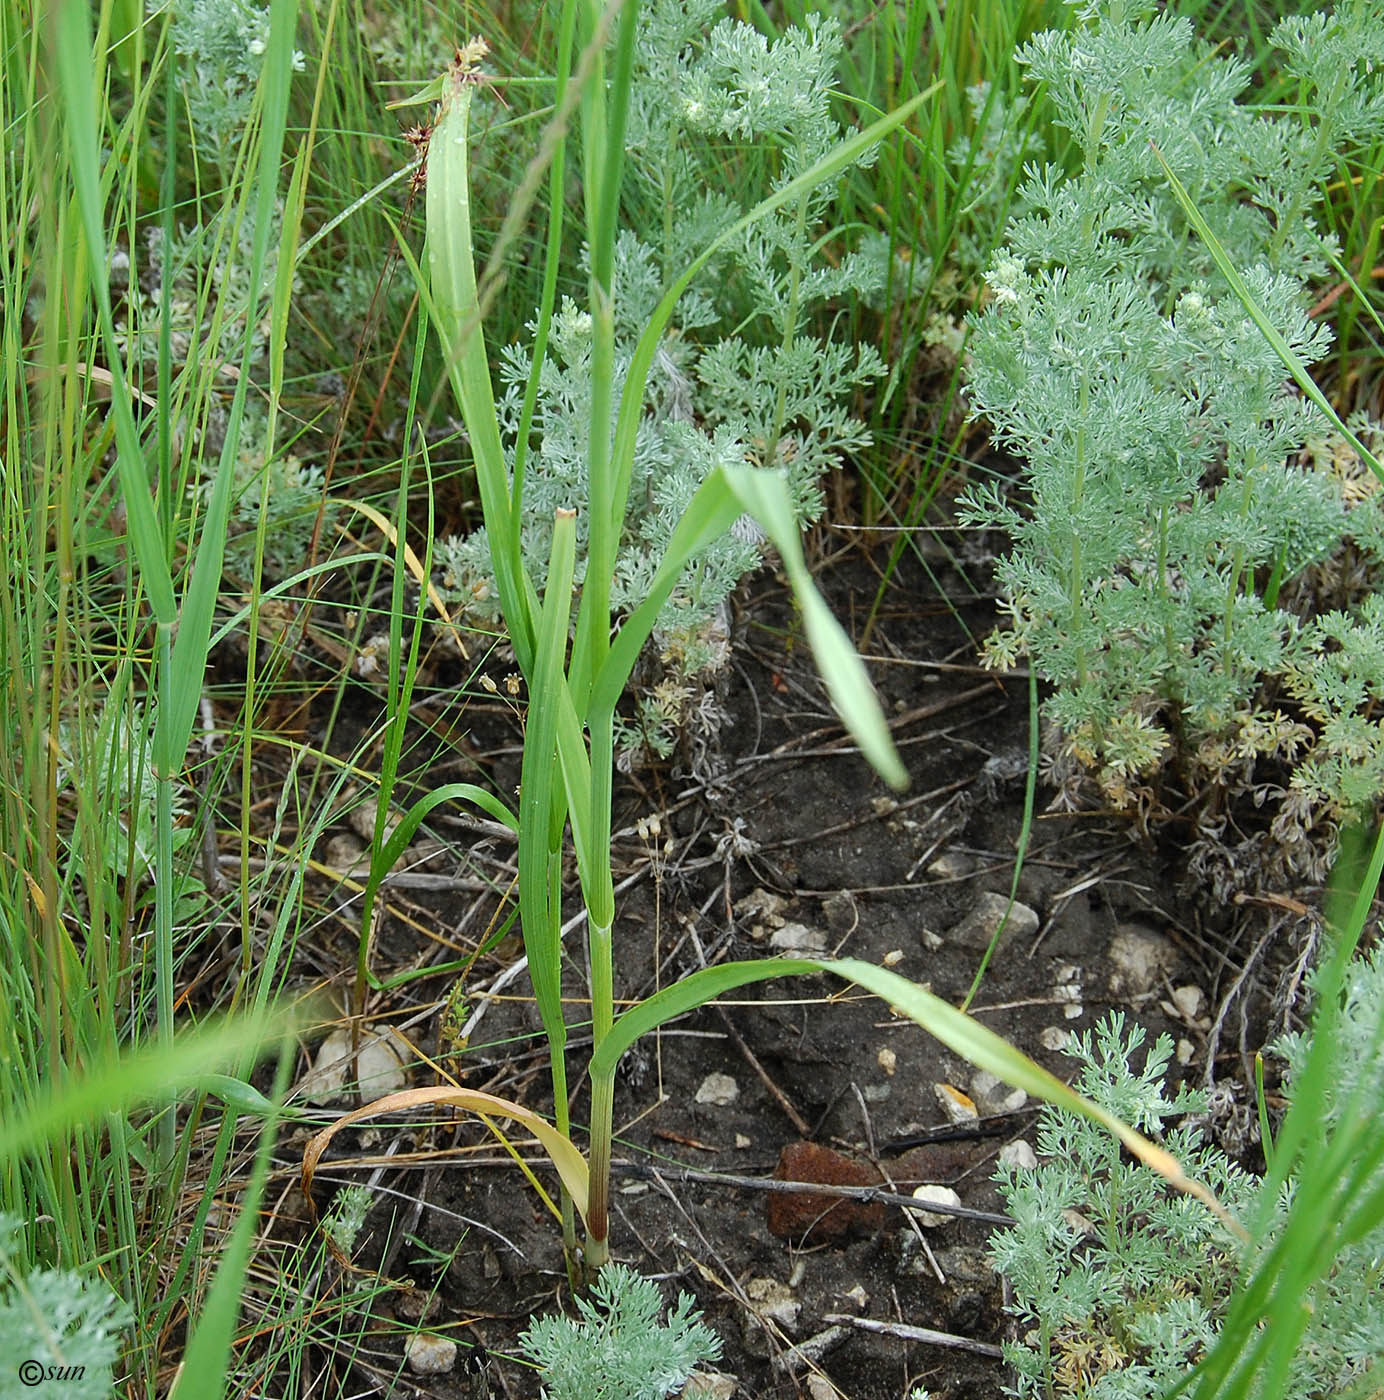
{"x": 780, "y": 824}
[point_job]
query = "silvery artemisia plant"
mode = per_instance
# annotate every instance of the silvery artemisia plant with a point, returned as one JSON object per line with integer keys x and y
{"x": 1161, "y": 439}
{"x": 716, "y": 112}
{"x": 1119, "y": 1283}
{"x": 619, "y": 1348}
{"x": 1121, "y": 1287}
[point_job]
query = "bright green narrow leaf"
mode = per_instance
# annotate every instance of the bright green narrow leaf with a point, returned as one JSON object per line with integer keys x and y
{"x": 764, "y": 494}
{"x": 237, "y": 1094}
{"x": 76, "y": 90}
{"x": 536, "y": 791}
{"x": 713, "y": 509}
{"x": 961, "y": 1033}
{"x": 202, "y": 1374}
{"x": 1292, "y": 361}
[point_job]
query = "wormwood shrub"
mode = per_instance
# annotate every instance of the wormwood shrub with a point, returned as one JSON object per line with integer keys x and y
{"x": 1161, "y": 442}
{"x": 738, "y": 376}
{"x": 617, "y": 1349}
{"x": 1119, "y": 1281}
{"x": 1123, "y": 1286}
{"x": 56, "y": 1329}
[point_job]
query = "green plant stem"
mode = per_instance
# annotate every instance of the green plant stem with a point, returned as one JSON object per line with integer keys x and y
{"x": 163, "y": 887}
{"x": 790, "y": 329}
{"x": 1075, "y": 590}
{"x": 1237, "y": 565}
{"x": 599, "y": 943}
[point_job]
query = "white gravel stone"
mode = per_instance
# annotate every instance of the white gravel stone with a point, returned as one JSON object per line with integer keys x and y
{"x": 1186, "y": 1004}
{"x": 1019, "y": 1155}
{"x": 717, "y": 1090}
{"x": 978, "y": 927}
{"x": 382, "y": 1061}
{"x": 799, "y": 940}
{"x": 774, "y": 1301}
{"x": 957, "y": 1106}
{"x": 428, "y": 1355}
{"x": 993, "y": 1095}
{"x": 934, "y": 1195}
{"x": 709, "y": 1385}
{"x": 951, "y": 865}
{"x": 1139, "y": 960}
{"x": 344, "y": 852}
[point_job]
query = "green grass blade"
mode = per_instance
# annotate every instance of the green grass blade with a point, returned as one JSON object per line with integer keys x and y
{"x": 205, "y": 1363}
{"x": 199, "y": 603}
{"x": 959, "y": 1032}
{"x": 713, "y": 509}
{"x": 77, "y": 86}
{"x": 765, "y": 495}
{"x": 145, "y": 1076}
{"x": 1331, "y": 1199}
{"x": 536, "y": 792}
{"x": 1292, "y": 361}
{"x": 632, "y": 398}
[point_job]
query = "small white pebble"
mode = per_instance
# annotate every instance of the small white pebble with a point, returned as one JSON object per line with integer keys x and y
{"x": 718, "y": 1090}
{"x": 1054, "y": 1038}
{"x": 888, "y": 1060}
{"x": 1019, "y": 1155}
{"x": 1185, "y": 1051}
{"x": 1188, "y": 1001}
{"x": 958, "y": 1107}
{"x": 428, "y": 1355}
{"x": 934, "y": 1195}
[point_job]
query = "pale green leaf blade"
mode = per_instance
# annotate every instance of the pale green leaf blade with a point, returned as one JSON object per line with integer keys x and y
{"x": 536, "y": 791}
{"x": 712, "y": 510}
{"x": 764, "y": 494}
{"x": 1292, "y": 361}
{"x": 961, "y": 1033}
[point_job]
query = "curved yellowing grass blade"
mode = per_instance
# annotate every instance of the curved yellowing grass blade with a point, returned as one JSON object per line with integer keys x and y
{"x": 570, "y": 1164}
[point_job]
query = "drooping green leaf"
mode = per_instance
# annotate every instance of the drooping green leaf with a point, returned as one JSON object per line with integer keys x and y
{"x": 764, "y": 494}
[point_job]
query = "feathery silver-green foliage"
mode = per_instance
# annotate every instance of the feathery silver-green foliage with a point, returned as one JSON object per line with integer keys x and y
{"x": 222, "y": 45}
{"x": 1160, "y": 438}
{"x": 1118, "y": 1281}
{"x": 58, "y": 1331}
{"x": 1122, "y": 1286}
{"x": 619, "y": 1349}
